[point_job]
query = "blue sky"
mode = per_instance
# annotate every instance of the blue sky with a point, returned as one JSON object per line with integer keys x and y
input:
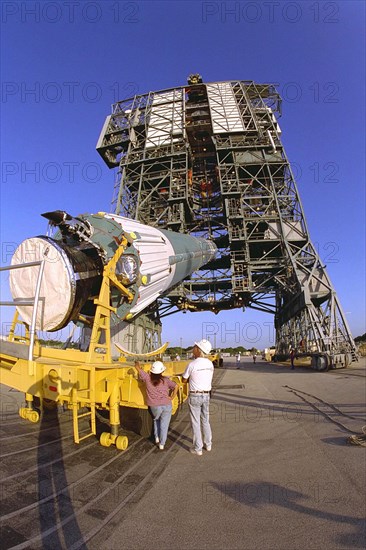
{"x": 65, "y": 63}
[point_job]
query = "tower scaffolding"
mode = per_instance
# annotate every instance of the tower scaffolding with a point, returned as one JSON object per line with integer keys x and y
{"x": 207, "y": 159}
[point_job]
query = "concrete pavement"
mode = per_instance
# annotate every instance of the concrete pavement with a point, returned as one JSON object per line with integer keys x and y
{"x": 280, "y": 474}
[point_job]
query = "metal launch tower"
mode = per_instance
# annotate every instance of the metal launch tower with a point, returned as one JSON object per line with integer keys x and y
{"x": 207, "y": 159}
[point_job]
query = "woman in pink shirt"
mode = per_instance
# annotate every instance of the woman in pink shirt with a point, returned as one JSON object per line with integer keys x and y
{"x": 160, "y": 392}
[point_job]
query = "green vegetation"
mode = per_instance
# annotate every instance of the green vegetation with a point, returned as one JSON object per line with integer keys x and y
{"x": 57, "y": 343}
{"x": 176, "y": 350}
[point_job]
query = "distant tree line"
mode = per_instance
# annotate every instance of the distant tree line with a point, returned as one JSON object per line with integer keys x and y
{"x": 176, "y": 350}
{"x": 57, "y": 343}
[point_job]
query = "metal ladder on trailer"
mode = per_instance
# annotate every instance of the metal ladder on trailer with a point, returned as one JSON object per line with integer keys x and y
{"x": 78, "y": 402}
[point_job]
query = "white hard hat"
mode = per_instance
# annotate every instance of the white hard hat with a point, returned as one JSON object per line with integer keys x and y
{"x": 204, "y": 345}
{"x": 157, "y": 367}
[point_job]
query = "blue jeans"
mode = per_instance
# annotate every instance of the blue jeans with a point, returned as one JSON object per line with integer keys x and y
{"x": 199, "y": 405}
{"x": 161, "y": 415}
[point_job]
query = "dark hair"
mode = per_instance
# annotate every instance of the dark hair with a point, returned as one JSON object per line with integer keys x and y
{"x": 156, "y": 378}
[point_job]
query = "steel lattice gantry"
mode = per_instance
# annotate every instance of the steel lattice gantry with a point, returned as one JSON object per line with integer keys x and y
{"x": 207, "y": 159}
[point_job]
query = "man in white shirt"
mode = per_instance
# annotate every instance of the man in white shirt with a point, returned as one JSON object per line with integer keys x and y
{"x": 199, "y": 373}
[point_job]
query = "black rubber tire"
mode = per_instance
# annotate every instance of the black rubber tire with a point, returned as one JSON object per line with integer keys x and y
{"x": 322, "y": 363}
{"x": 139, "y": 421}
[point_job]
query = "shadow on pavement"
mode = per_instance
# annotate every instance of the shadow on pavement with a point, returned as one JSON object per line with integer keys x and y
{"x": 262, "y": 494}
{"x": 51, "y": 481}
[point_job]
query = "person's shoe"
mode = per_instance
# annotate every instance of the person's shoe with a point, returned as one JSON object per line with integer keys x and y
{"x": 194, "y": 452}
{"x": 161, "y": 447}
{"x": 208, "y": 447}
{"x": 157, "y": 440}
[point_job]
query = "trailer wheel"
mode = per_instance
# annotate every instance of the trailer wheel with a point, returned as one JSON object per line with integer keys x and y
{"x": 347, "y": 359}
{"x": 320, "y": 363}
{"x": 136, "y": 420}
{"x": 145, "y": 423}
{"x": 32, "y": 415}
{"x": 48, "y": 404}
{"x": 105, "y": 439}
{"x": 44, "y": 403}
{"x": 175, "y": 405}
{"x": 121, "y": 442}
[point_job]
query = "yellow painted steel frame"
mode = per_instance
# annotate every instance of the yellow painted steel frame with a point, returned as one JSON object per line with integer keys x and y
{"x": 82, "y": 381}
{"x": 103, "y": 311}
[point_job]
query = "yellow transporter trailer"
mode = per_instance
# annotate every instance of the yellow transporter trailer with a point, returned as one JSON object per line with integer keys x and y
{"x": 95, "y": 266}
{"x": 71, "y": 378}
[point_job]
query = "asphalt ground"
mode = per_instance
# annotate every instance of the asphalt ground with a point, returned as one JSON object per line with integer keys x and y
{"x": 281, "y": 474}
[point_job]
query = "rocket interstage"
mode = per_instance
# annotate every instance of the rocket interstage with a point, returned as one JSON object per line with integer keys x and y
{"x": 152, "y": 262}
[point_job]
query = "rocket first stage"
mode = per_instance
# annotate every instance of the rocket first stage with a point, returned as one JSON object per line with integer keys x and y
{"x": 152, "y": 263}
